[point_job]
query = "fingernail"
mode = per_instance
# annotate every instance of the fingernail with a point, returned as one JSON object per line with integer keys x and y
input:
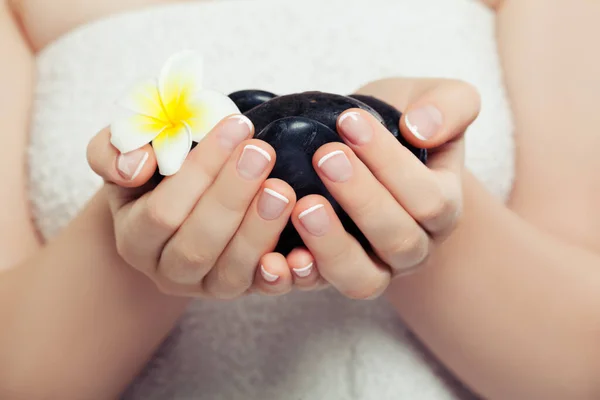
{"x": 234, "y": 130}
{"x": 130, "y": 164}
{"x": 424, "y": 122}
{"x": 267, "y": 276}
{"x": 315, "y": 220}
{"x": 253, "y": 162}
{"x": 336, "y": 166}
{"x": 303, "y": 272}
{"x": 271, "y": 204}
{"x": 355, "y": 128}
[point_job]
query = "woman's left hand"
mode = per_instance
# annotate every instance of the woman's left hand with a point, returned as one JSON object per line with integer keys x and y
{"x": 403, "y": 207}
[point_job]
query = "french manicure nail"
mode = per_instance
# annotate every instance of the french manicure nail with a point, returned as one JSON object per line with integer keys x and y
{"x": 355, "y": 128}
{"x": 424, "y": 122}
{"x": 234, "y": 130}
{"x": 315, "y": 220}
{"x": 253, "y": 162}
{"x": 304, "y": 271}
{"x": 130, "y": 164}
{"x": 271, "y": 204}
{"x": 267, "y": 276}
{"x": 336, "y": 166}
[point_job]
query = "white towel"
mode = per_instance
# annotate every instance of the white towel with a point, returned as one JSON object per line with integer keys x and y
{"x": 304, "y": 345}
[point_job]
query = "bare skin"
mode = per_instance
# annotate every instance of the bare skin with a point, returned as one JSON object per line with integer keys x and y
{"x": 17, "y": 83}
{"x": 514, "y": 289}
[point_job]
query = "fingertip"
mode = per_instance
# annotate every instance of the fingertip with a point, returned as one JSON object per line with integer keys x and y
{"x": 329, "y": 150}
{"x": 282, "y": 188}
{"x": 268, "y": 275}
{"x": 261, "y": 146}
{"x": 441, "y": 114}
{"x": 98, "y": 149}
{"x": 354, "y": 113}
{"x": 308, "y": 204}
{"x": 241, "y": 119}
{"x": 135, "y": 168}
{"x": 131, "y": 169}
{"x": 303, "y": 269}
{"x": 423, "y": 125}
{"x": 230, "y": 132}
{"x": 273, "y": 276}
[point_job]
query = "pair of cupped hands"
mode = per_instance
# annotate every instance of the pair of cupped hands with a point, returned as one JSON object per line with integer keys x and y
{"x": 210, "y": 230}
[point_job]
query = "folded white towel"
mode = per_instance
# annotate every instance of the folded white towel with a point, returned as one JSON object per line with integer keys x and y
{"x": 301, "y": 346}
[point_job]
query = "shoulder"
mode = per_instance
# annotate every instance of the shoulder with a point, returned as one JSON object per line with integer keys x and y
{"x": 44, "y": 21}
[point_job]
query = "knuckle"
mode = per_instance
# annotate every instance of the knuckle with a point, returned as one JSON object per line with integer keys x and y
{"x": 125, "y": 250}
{"x": 167, "y": 288}
{"x": 453, "y": 215}
{"x": 159, "y": 216}
{"x": 408, "y": 250}
{"x": 170, "y": 288}
{"x": 368, "y": 291}
{"x": 186, "y": 265}
{"x": 191, "y": 265}
{"x": 441, "y": 213}
{"x": 195, "y": 259}
{"x": 231, "y": 281}
{"x": 433, "y": 210}
{"x": 438, "y": 206}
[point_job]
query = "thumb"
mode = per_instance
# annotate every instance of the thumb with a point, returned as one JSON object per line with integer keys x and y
{"x": 441, "y": 114}
{"x": 128, "y": 170}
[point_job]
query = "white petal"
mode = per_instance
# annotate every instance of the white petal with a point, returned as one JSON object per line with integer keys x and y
{"x": 181, "y": 76}
{"x": 143, "y": 98}
{"x": 171, "y": 148}
{"x": 132, "y": 132}
{"x": 206, "y": 109}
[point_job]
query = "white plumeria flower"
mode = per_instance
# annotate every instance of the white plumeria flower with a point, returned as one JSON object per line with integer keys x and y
{"x": 170, "y": 112}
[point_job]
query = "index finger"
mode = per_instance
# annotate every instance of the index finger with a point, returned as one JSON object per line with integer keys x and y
{"x": 435, "y": 110}
{"x": 342, "y": 261}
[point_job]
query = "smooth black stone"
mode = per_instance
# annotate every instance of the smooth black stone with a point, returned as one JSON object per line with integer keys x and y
{"x": 322, "y": 107}
{"x": 295, "y": 140}
{"x": 246, "y": 100}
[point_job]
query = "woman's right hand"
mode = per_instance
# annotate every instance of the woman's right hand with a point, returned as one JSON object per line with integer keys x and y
{"x": 203, "y": 231}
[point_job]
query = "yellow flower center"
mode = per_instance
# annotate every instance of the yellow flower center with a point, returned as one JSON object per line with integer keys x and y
{"x": 178, "y": 110}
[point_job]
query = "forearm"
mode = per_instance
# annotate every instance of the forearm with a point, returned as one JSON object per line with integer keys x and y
{"x": 551, "y": 63}
{"x": 513, "y": 310}
{"x": 510, "y": 309}
{"x": 81, "y": 322}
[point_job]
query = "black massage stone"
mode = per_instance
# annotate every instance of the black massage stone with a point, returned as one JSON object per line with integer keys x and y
{"x": 296, "y": 126}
